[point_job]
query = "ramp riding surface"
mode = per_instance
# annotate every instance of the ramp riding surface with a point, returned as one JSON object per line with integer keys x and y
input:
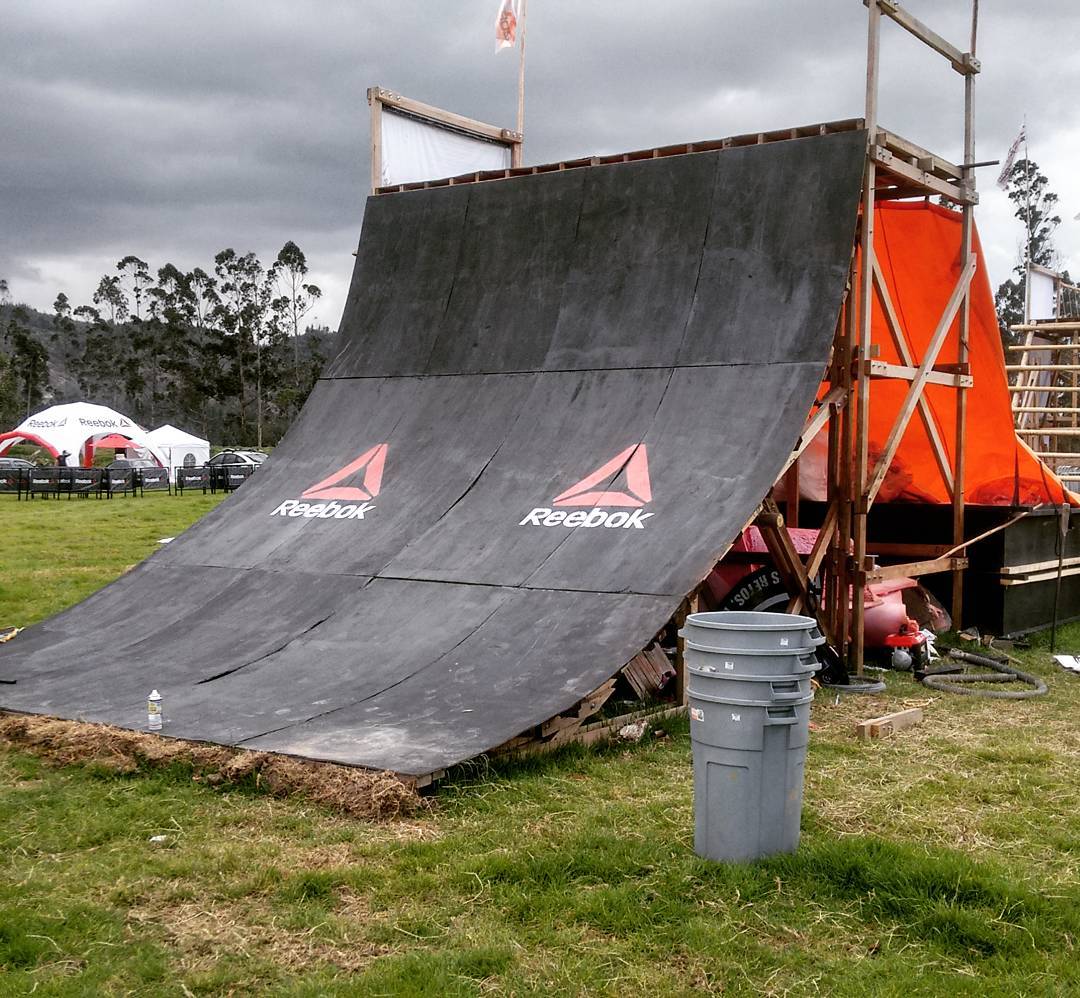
{"x": 556, "y": 400}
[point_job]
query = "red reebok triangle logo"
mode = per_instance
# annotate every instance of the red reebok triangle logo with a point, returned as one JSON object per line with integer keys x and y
{"x": 370, "y": 462}
{"x": 635, "y": 461}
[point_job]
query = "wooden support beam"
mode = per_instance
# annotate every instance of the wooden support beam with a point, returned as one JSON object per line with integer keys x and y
{"x": 907, "y": 408}
{"x": 440, "y": 116}
{"x": 914, "y": 569}
{"x": 821, "y": 545}
{"x": 903, "y": 372}
{"x": 934, "y": 164}
{"x": 925, "y": 182}
{"x": 963, "y": 62}
{"x": 1030, "y": 347}
{"x": 832, "y": 402}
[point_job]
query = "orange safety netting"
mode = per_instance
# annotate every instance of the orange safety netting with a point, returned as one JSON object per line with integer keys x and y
{"x": 918, "y": 248}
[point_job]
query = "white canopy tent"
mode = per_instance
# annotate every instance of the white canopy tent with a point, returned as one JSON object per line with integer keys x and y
{"x": 175, "y": 448}
{"x": 74, "y": 428}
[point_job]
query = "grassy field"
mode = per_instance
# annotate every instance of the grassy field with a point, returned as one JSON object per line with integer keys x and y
{"x": 943, "y": 861}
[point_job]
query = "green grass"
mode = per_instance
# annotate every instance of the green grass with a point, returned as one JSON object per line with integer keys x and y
{"x": 943, "y": 861}
{"x": 56, "y": 552}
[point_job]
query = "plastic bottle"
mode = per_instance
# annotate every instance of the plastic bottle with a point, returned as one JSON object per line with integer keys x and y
{"x": 153, "y": 711}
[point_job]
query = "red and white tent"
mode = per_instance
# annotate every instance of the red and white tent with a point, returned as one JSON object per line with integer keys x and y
{"x": 76, "y": 428}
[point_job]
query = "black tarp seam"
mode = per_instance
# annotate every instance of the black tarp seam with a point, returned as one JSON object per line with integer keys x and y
{"x": 273, "y": 651}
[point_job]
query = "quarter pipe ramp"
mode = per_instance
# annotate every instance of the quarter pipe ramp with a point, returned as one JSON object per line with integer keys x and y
{"x": 556, "y": 399}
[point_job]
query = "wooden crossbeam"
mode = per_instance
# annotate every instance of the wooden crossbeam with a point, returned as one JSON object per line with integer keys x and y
{"x": 918, "y": 384}
{"x": 904, "y": 372}
{"x": 963, "y": 62}
{"x": 921, "y": 179}
{"x": 893, "y": 322}
{"x": 914, "y": 569}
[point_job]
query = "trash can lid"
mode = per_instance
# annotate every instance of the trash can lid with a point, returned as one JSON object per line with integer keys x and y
{"x": 751, "y": 620}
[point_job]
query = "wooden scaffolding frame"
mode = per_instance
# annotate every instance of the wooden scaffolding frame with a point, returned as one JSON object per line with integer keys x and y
{"x": 895, "y": 168}
{"x": 1045, "y": 381}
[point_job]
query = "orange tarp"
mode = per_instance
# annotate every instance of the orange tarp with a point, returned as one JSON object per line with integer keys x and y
{"x": 918, "y": 249}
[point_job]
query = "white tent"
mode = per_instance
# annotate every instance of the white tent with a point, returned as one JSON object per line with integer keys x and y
{"x": 175, "y": 448}
{"x": 75, "y": 427}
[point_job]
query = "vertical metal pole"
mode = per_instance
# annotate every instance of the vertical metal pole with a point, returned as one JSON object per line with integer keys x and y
{"x": 865, "y": 299}
{"x": 962, "y": 353}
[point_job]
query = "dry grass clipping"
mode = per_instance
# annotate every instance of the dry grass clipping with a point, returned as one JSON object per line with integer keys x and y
{"x": 207, "y": 932}
{"x": 357, "y": 793}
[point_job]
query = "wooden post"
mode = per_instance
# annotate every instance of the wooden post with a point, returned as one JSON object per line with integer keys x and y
{"x": 962, "y": 351}
{"x": 865, "y": 298}
{"x": 376, "y": 141}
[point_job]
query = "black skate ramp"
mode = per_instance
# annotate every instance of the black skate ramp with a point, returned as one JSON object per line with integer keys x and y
{"x": 556, "y": 399}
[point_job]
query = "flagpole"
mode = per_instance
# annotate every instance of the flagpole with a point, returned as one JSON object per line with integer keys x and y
{"x": 516, "y": 156}
{"x": 1027, "y": 226}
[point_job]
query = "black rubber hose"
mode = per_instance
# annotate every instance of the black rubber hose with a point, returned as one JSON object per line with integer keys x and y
{"x": 1001, "y": 674}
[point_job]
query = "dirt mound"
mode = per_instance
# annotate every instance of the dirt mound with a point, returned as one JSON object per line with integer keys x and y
{"x": 359, "y": 793}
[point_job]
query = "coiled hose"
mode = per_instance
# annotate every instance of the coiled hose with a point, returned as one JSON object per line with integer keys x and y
{"x": 1001, "y": 674}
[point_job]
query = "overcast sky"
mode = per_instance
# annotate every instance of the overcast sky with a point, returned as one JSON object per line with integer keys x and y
{"x": 176, "y": 128}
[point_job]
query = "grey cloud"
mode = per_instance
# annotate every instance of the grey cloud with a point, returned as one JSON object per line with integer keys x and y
{"x": 171, "y": 130}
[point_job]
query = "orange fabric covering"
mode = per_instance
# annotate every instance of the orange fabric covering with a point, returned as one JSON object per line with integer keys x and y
{"x": 918, "y": 249}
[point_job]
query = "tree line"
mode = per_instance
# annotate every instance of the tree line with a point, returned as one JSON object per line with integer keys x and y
{"x": 224, "y": 351}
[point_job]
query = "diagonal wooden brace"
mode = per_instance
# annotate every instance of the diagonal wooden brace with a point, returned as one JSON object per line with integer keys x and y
{"x": 918, "y": 384}
{"x": 936, "y": 443}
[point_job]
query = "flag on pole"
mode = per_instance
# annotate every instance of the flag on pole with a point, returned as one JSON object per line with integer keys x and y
{"x": 506, "y": 21}
{"x": 1003, "y": 177}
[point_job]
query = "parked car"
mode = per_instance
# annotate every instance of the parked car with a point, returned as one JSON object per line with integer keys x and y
{"x": 251, "y": 458}
{"x": 15, "y": 464}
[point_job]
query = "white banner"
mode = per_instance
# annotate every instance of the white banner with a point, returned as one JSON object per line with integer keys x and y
{"x": 1042, "y": 295}
{"x": 414, "y": 150}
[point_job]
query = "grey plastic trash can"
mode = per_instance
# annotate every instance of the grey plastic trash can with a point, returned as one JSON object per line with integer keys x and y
{"x": 749, "y": 727}
{"x": 753, "y": 629}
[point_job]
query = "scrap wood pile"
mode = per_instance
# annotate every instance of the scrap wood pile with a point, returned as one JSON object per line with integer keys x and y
{"x": 358, "y": 793}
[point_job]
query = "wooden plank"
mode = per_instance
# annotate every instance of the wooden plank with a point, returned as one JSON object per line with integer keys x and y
{"x": 637, "y": 674}
{"x": 1046, "y": 327}
{"x": 913, "y": 569}
{"x": 889, "y": 724}
{"x": 903, "y": 372}
{"x": 1030, "y": 347}
{"x": 907, "y": 408}
{"x": 1023, "y": 580}
{"x": 962, "y": 62}
{"x": 903, "y": 147}
{"x": 440, "y": 116}
{"x": 920, "y": 179}
{"x": 1038, "y": 566}
{"x": 1048, "y": 408}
